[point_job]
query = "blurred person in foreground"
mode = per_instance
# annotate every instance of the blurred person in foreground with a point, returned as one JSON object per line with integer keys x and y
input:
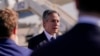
{"x": 8, "y": 34}
{"x": 83, "y": 39}
{"x": 51, "y": 22}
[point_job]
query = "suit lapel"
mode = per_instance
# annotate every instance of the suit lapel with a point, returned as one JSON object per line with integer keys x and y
{"x": 44, "y": 39}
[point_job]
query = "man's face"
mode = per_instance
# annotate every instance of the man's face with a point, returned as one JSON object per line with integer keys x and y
{"x": 52, "y": 23}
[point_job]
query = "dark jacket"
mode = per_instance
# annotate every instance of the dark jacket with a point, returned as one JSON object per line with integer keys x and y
{"x": 37, "y": 41}
{"x": 81, "y": 40}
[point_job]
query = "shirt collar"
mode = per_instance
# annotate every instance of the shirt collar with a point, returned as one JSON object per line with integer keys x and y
{"x": 49, "y": 36}
{"x": 7, "y": 41}
{"x": 89, "y": 19}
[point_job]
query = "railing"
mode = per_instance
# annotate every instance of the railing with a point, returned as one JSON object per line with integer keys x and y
{"x": 38, "y": 6}
{"x": 65, "y": 17}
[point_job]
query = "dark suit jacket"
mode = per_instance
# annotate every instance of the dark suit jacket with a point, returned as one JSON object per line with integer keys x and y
{"x": 9, "y": 48}
{"x": 81, "y": 40}
{"x": 37, "y": 41}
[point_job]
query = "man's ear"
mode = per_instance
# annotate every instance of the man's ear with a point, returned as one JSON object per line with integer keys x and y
{"x": 14, "y": 31}
{"x": 43, "y": 22}
{"x": 77, "y": 3}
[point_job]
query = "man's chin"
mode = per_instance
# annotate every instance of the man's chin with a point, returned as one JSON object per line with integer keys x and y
{"x": 55, "y": 31}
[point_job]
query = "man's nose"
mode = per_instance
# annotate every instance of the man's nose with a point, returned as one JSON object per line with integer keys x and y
{"x": 56, "y": 23}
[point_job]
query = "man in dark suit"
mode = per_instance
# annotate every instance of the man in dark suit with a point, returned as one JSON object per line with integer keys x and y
{"x": 8, "y": 35}
{"x": 51, "y": 22}
{"x": 83, "y": 39}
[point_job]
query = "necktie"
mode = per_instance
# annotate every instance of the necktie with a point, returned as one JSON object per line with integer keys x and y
{"x": 52, "y": 39}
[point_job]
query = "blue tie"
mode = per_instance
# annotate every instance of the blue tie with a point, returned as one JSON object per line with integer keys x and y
{"x": 52, "y": 39}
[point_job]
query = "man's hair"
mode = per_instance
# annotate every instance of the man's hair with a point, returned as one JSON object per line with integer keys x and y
{"x": 8, "y": 22}
{"x": 89, "y": 5}
{"x": 47, "y": 12}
